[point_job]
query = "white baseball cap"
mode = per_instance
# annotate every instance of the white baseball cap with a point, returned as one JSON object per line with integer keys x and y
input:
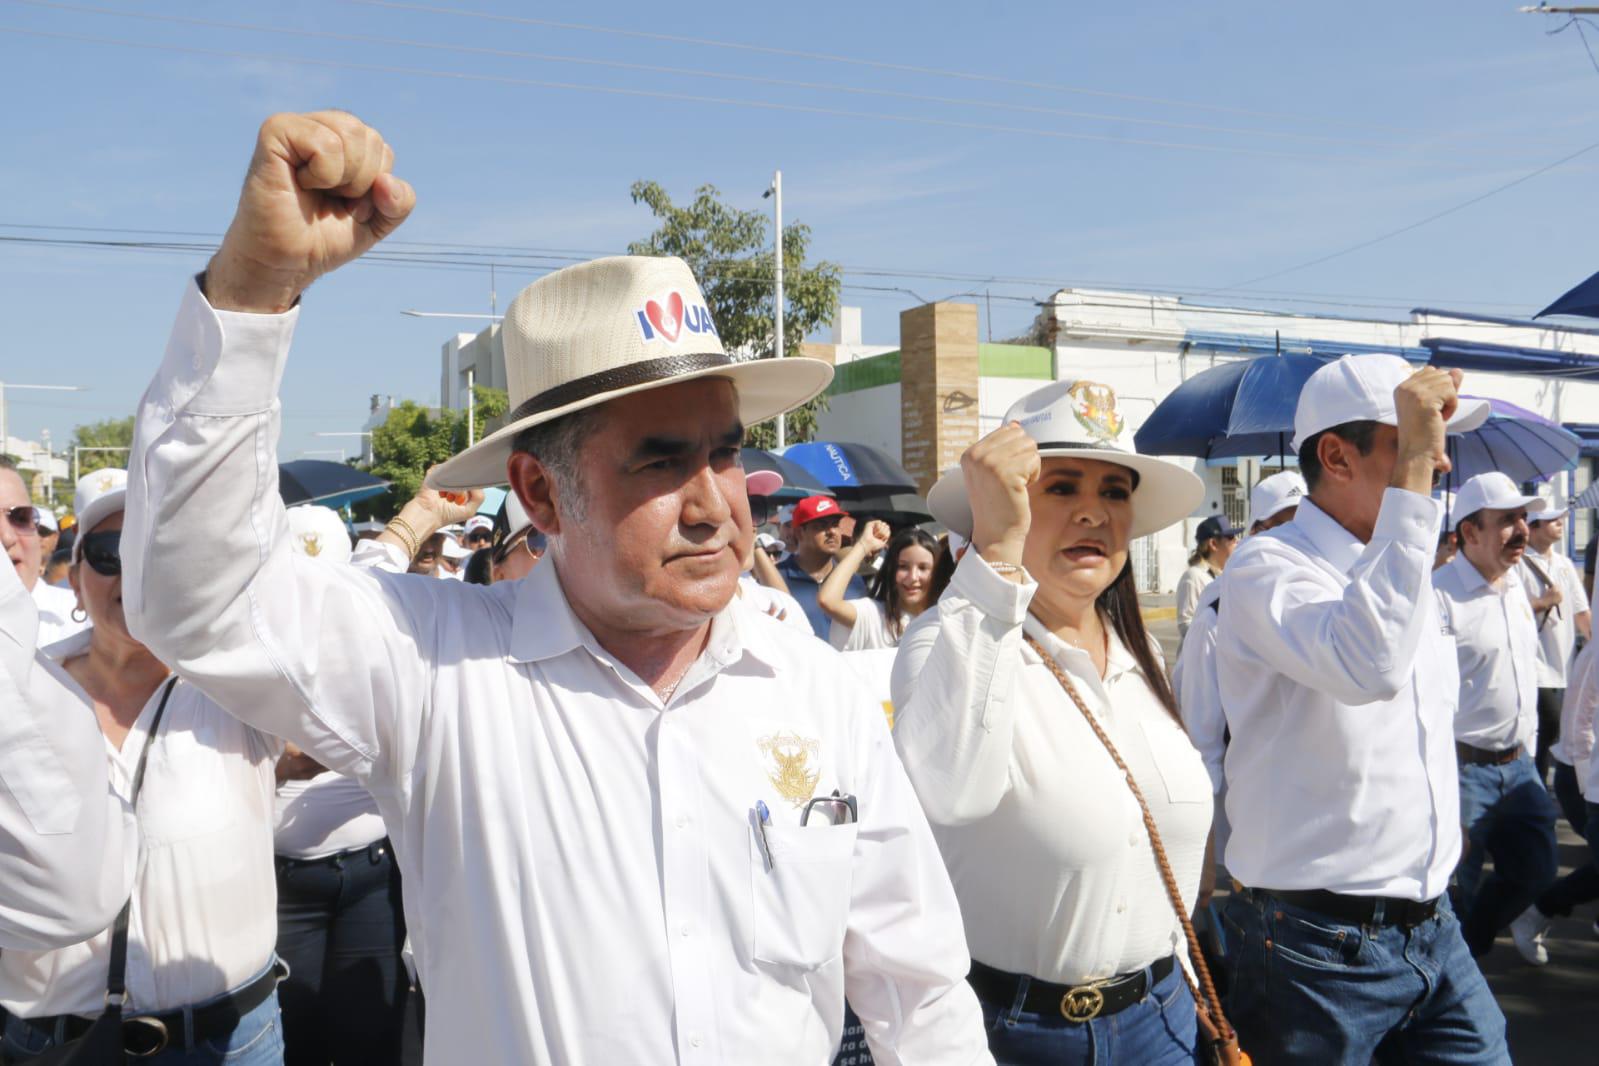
{"x": 1360, "y": 388}
{"x": 47, "y": 520}
{"x": 318, "y": 533}
{"x": 1553, "y": 507}
{"x": 477, "y": 521}
{"x": 1494, "y": 491}
{"x": 100, "y": 494}
{"x": 1276, "y": 494}
{"x": 1080, "y": 419}
{"x": 454, "y": 549}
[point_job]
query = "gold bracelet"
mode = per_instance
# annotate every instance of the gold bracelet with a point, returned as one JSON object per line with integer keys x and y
{"x": 405, "y": 534}
{"x": 1007, "y": 568}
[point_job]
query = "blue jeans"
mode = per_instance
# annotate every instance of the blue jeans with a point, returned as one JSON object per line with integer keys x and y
{"x": 1580, "y": 885}
{"x": 1160, "y": 1030}
{"x": 1507, "y": 813}
{"x": 256, "y": 1041}
{"x": 1309, "y": 989}
{"x": 340, "y": 929}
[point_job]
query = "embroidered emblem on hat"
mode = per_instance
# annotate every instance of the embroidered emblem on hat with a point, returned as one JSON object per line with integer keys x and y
{"x": 789, "y": 765}
{"x": 667, "y": 316}
{"x": 1095, "y": 407}
{"x": 1294, "y": 492}
{"x": 823, "y": 505}
{"x": 312, "y": 543}
{"x": 105, "y": 483}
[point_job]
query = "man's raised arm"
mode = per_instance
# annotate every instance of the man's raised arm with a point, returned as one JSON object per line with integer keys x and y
{"x": 319, "y": 655}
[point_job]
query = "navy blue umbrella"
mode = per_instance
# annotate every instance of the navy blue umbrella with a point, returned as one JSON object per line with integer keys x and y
{"x": 1582, "y": 300}
{"x": 797, "y": 481}
{"x": 322, "y": 482}
{"x": 1239, "y": 408}
{"x": 852, "y": 471}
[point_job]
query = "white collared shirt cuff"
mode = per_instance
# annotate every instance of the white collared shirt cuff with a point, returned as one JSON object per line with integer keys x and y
{"x": 257, "y": 348}
{"x": 991, "y": 592}
{"x": 1408, "y": 518}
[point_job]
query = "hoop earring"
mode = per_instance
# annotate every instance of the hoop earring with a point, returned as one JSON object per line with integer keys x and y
{"x": 76, "y": 611}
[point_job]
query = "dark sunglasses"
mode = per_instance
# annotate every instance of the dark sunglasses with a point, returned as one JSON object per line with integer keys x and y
{"x": 479, "y": 536}
{"x": 103, "y": 552}
{"x": 23, "y": 519}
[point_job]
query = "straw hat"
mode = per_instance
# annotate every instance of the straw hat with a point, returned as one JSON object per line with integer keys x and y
{"x": 1080, "y": 419}
{"x": 609, "y": 328}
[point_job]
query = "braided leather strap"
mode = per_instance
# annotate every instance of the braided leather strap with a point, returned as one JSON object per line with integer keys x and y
{"x": 1218, "y": 1031}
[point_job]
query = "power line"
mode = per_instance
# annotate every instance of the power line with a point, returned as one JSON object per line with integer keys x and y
{"x": 1412, "y": 226}
{"x": 501, "y": 53}
{"x": 615, "y": 90}
{"x": 902, "y": 68}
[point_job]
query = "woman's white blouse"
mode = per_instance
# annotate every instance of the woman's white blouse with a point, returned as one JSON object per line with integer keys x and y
{"x": 870, "y": 629}
{"x": 1044, "y": 841}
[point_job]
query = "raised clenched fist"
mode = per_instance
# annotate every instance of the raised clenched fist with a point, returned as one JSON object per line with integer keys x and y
{"x": 876, "y": 536}
{"x": 998, "y": 469}
{"x": 320, "y": 192}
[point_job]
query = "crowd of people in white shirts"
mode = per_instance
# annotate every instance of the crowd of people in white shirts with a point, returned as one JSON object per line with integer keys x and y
{"x": 270, "y": 786}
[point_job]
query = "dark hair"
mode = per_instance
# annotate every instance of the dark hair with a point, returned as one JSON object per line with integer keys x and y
{"x": 1119, "y": 605}
{"x": 1474, "y": 518}
{"x": 1362, "y": 434}
{"x": 479, "y": 568}
{"x": 885, "y": 589}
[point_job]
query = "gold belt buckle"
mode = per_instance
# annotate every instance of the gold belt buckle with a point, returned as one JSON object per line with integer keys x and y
{"x": 1082, "y": 1004}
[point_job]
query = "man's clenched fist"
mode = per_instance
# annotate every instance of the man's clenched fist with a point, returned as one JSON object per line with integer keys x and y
{"x": 319, "y": 193}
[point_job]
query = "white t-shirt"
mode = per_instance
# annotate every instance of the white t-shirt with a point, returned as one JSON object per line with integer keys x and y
{"x": 870, "y": 629}
{"x": 1557, "y": 627}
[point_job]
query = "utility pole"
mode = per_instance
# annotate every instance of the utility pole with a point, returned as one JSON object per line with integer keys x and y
{"x": 776, "y": 192}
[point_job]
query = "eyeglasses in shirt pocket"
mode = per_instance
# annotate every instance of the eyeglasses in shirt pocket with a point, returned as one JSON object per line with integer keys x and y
{"x": 800, "y": 903}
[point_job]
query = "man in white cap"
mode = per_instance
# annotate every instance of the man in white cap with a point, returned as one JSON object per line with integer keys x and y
{"x": 478, "y": 532}
{"x": 20, "y": 523}
{"x": 1560, "y": 607}
{"x": 49, "y": 535}
{"x": 1505, "y": 809}
{"x": 1340, "y": 687}
{"x": 635, "y": 825}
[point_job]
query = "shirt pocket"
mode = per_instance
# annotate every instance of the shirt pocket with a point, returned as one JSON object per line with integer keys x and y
{"x": 1181, "y": 770}
{"x": 800, "y": 902}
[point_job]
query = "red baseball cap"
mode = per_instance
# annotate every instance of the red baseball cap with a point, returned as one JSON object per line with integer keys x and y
{"x": 813, "y": 507}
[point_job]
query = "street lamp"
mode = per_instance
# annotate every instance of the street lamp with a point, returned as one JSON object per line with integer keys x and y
{"x": 775, "y": 191}
{"x": 5, "y": 437}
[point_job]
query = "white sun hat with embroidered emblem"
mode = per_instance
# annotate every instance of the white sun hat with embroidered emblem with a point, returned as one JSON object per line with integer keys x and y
{"x": 318, "y": 533}
{"x": 99, "y": 495}
{"x": 610, "y": 328}
{"x": 1079, "y": 419}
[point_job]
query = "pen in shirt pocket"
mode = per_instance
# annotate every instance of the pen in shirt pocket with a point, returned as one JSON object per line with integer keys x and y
{"x": 763, "y": 818}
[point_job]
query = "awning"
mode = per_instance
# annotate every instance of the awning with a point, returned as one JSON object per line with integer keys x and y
{"x": 1255, "y": 344}
{"x": 1588, "y": 433}
{"x": 1509, "y": 359}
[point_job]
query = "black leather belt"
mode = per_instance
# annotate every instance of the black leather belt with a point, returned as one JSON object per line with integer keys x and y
{"x": 1356, "y": 910}
{"x": 1076, "y": 1003}
{"x": 144, "y": 1035}
{"x": 1483, "y": 757}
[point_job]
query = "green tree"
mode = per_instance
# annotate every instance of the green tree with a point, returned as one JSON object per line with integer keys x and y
{"x": 111, "y": 433}
{"x": 727, "y": 249}
{"x": 414, "y": 438}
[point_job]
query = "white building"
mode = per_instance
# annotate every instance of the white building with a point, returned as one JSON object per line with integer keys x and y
{"x": 927, "y": 400}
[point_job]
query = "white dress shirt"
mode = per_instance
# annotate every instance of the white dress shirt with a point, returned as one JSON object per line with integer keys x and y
{"x": 870, "y": 630}
{"x": 1195, "y": 580}
{"x": 1497, "y": 644}
{"x": 1340, "y": 688}
{"x": 775, "y": 602}
{"x": 1194, "y": 681}
{"x": 582, "y": 863}
{"x": 55, "y": 613}
{"x": 67, "y": 843}
{"x": 1042, "y": 837}
{"x": 1577, "y": 713}
{"x": 1557, "y": 627}
{"x": 204, "y": 916}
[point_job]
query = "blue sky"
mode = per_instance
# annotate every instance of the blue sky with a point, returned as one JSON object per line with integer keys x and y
{"x": 1161, "y": 145}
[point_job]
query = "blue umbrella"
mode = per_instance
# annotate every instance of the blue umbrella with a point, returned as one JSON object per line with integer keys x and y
{"x": 1516, "y": 442}
{"x": 322, "y": 482}
{"x": 852, "y": 471}
{"x": 1582, "y": 300}
{"x": 1239, "y": 408}
{"x": 797, "y": 481}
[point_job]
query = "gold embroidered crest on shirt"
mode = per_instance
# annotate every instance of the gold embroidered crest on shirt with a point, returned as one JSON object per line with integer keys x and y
{"x": 789, "y": 767}
{"x": 312, "y": 543}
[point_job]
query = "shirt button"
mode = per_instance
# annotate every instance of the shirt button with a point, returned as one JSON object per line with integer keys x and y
{"x": 695, "y": 1040}
{"x": 683, "y": 930}
{"x": 1121, "y": 908}
{"x": 682, "y": 820}
{"x": 1132, "y": 840}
